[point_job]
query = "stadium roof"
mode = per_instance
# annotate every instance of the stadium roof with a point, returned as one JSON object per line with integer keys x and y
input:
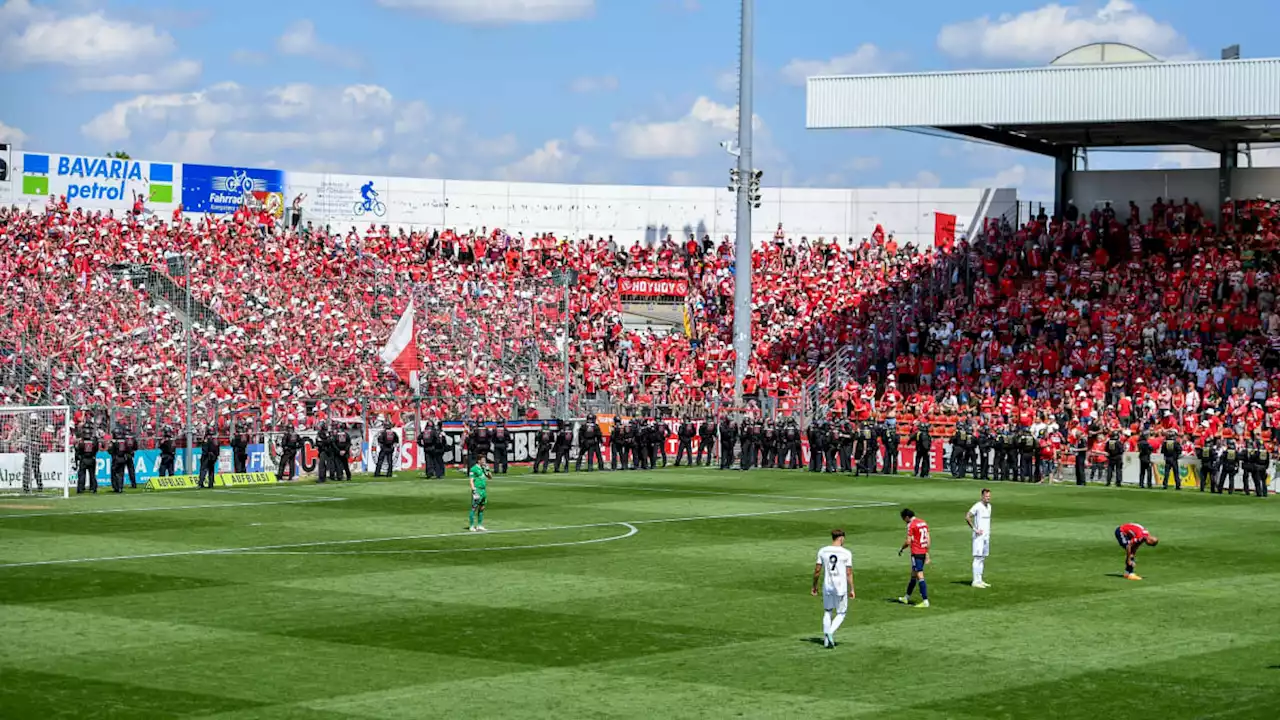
{"x": 1102, "y": 95}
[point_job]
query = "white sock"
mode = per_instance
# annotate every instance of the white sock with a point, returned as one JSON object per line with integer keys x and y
{"x": 826, "y": 623}
{"x": 835, "y": 624}
{"x": 977, "y": 570}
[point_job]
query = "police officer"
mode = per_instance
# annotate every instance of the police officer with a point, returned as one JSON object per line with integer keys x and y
{"x": 342, "y": 453}
{"x": 168, "y": 450}
{"x": 87, "y": 461}
{"x": 1082, "y": 453}
{"x": 387, "y": 442}
{"x": 684, "y": 436}
{"x": 240, "y": 449}
{"x": 1262, "y": 461}
{"x": 324, "y": 453}
{"x": 924, "y": 444}
{"x": 1146, "y": 477}
{"x": 564, "y": 443}
{"x": 960, "y": 450}
{"x": 439, "y": 446}
{"x": 1172, "y": 450}
{"x": 749, "y": 444}
{"x": 791, "y": 438}
{"x": 1115, "y": 458}
{"x": 209, "y": 450}
{"x": 1207, "y": 454}
{"x": 640, "y": 450}
{"x": 589, "y": 439}
{"x": 1230, "y": 463}
{"x": 706, "y": 440}
{"x": 817, "y": 446}
{"x": 728, "y": 439}
{"x": 501, "y": 443}
{"x": 891, "y": 440}
{"x": 119, "y": 459}
{"x": 482, "y": 442}
{"x": 130, "y": 451}
{"x": 769, "y": 445}
{"x": 1003, "y": 446}
{"x": 657, "y": 442}
{"x": 290, "y": 444}
{"x": 983, "y": 441}
{"x": 545, "y": 440}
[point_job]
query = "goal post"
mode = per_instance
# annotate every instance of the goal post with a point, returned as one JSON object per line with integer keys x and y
{"x": 35, "y": 451}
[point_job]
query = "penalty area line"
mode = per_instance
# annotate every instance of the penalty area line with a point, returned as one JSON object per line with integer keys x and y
{"x": 263, "y": 549}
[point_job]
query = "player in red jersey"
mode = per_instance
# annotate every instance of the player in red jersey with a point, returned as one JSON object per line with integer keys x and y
{"x": 918, "y": 541}
{"x": 1132, "y": 536}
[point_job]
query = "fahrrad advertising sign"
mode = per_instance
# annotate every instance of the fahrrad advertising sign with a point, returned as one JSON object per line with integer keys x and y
{"x": 95, "y": 182}
{"x": 222, "y": 189}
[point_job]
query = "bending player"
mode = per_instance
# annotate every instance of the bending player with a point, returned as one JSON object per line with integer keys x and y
{"x": 1132, "y": 536}
{"x": 835, "y": 564}
{"x": 479, "y": 475}
{"x": 918, "y": 541}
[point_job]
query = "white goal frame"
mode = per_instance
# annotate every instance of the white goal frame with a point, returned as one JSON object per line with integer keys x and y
{"x": 13, "y": 489}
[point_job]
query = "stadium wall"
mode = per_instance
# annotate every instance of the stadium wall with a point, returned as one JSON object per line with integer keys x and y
{"x": 628, "y": 212}
{"x": 1143, "y": 187}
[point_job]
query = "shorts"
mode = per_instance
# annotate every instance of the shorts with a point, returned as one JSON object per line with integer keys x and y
{"x": 478, "y": 501}
{"x": 1122, "y": 539}
{"x": 917, "y": 562}
{"x": 981, "y": 545}
{"x": 835, "y": 600}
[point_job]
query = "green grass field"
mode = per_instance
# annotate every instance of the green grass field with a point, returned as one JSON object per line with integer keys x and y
{"x": 668, "y": 594}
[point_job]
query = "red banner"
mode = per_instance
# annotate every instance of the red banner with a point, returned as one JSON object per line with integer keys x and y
{"x": 944, "y": 231}
{"x": 653, "y": 287}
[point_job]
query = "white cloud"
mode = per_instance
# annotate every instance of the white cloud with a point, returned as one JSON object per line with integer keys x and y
{"x": 922, "y": 179}
{"x": 683, "y": 178}
{"x": 498, "y": 11}
{"x": 300, "y": 40}
{"x": 180, "y": 74}
{"x": 1031, "y": 181}
{"x": 604, "y": 83}
{"x": 866, "y": 59}
{"x": 698, "y": 132}
{"x": 12, "y": 135}
{"x": 727, "y": 81}
{"x": 552, "y": 162}
{"x": 863, "y": 164}
{"x": 38, "y": 36}
{"x": 1038, "y": 36}
{"x": 585, "y": 139}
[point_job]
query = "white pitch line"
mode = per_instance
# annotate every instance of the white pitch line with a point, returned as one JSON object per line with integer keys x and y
{"x": 255, "y": 549}
{"x": 642, "y": 488}
{"x": 631, "y": 530}
{"x": 206, "y": 506}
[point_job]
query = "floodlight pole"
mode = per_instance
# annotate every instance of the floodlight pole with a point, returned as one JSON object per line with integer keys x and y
{"x": 564, "y": 400}
{"x": 186, "y": 336}
{"x": 742, "y": 244}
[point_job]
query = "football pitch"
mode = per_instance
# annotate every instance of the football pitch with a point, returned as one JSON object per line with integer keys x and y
{"x": 665, "y": 594}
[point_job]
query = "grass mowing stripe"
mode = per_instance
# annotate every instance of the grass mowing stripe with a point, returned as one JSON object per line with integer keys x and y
{"x": 643, "y": 488}
{"x": 205, "y": 506}
{"x": 357, "y": 541}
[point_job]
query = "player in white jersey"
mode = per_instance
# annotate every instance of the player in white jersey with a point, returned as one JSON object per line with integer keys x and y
{"x": 835, "y": 567}
{"x": 979, "y": 519}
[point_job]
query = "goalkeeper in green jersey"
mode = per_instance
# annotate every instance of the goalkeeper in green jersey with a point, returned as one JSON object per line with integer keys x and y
{"x": 479, "y": 475}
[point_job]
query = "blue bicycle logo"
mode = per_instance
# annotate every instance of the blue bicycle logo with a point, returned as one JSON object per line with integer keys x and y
{"x": 239, "y": 182}
{"x": 370, "y": 203}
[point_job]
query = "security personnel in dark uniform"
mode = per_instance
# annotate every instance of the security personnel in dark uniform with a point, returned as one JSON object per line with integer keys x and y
{"x": 324, "y": 453}
{"x": 482, "y": 442}
{"x": 728, "y": 439}
{"x": 168, "y": 450}
{"x": 119, "y": 459}
{"x": 589, "y": 439}
{"x": 706, "y": 440}
{"x": 684, "y": 434}
{"x": 838, "y": 436}
{"x": 1207, "y": 454}
{"x": 618, "y": 442}
{"x": 791, "y": 440}
{"x": 817, "y": 446}
{"x": 342, "y": 453}
{"x": 749, "y": 444}
{"x": 891, "y": 440}
{"x": 209, "y": 451}
{"x": 864, "y": 449}
{"x": 86, "y": 461}
{"x": 960, "y": 450}
{"x": 983, "y": 442}
{"x": 1036, "y": 475}
{"x": 130, "y": 450}
{"x": 769, "y": 446}
{"x": 924, "y": 444}
{"x": 1002, "y": 443}
{"x": 1230, "y": 464}
{"x": 1115, "y": 459}
{"x": 438, "y": 447}
{"x": 1172, "y": 450}
{"x": 657, "y": 442}
{"x": 501, "y": 444}
{"x": 545, "y": 440}
{"x": 564, "y": 444}
{"x": 1262, "y": 461}
{"x": 240, "y": 450}
{"x": 1081, "y": 450}
{"x": 1146, "y": 477}
{"x": 387, "y": 442}
{"x": 290, "y": 444}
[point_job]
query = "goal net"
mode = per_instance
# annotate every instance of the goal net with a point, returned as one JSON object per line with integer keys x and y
{"x": 35, "y": 451}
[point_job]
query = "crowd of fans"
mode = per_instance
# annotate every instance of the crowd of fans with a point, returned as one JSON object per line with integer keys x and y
{"x": 1103, "y": 320}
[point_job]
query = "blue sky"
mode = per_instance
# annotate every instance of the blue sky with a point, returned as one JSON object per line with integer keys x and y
{"x": 618, "y": 91}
